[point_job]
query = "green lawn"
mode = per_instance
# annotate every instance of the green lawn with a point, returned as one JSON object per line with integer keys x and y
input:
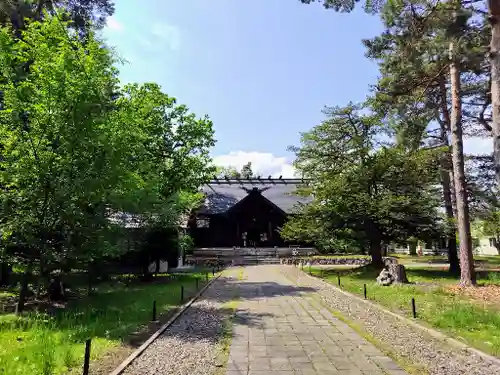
{"x": 472, "y": 322}
{"x": 43, "y": 344}
{"x": 491, "y": 260}
{"x": 357, "y": 256}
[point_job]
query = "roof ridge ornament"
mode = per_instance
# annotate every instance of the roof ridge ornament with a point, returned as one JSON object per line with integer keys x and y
{"x": 226, "y": 180}
{"x": 255, "y": 189}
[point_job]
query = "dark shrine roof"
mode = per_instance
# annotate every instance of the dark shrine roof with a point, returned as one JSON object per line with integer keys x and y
{"x": 221, "y": 195}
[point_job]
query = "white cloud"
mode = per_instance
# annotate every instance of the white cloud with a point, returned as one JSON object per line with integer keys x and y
{"x": 478, "y": 145}
{"x": 113, "y": 24}
{"x": 263, "y": 163}
{"x": 168, "y": 34}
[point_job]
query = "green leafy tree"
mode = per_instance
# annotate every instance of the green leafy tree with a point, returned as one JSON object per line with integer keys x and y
{"x": 433, "y": 51}
{"x": 414, "y": 56}
{"x": 229, "y": 172}
{"x": 364, "y": 191}
{"x": 80, "y": 13}
{"x": 57, "y": 164}
{"x": 170, "y": 160}
{"x": 246, "y": 171}
{"x": 77, "y": 151}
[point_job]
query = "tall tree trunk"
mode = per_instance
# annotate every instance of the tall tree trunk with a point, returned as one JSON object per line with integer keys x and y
{"x": 90, "y": 277}
{"x": 447, "y": 178}
{"x": 23, "y": 293}
{"x": 494, "y": 17}
{"x": 451, "y": 237}
{"x": 376, "y": 254}
{"x": 448, "y": 205}
{"x": 5, "y": 272}
{"x": 467, "y": 276}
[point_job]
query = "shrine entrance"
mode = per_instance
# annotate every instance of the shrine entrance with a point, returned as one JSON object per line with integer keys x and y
{"x": 257, "y": 221}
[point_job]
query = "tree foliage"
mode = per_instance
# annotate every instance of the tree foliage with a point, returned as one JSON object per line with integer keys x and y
{"x": 435, "y": 86}
{"x": 80, "y": 13}
{"x": 364, "y": 191}
{"x": 77, "y": 151}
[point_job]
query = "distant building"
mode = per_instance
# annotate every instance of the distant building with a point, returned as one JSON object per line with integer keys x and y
{"x": 483, "y": 244}
{"x": 245, "y": 212}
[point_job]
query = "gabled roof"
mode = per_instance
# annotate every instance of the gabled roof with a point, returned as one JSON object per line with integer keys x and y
{"x": 255, "y": 191}
{"x": 221, "y": 195}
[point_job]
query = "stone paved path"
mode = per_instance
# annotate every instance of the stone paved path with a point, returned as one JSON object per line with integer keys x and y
{"x": 282, "y": 329}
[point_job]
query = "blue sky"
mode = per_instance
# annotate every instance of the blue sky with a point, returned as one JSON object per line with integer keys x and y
{"x": 261, "y": 69}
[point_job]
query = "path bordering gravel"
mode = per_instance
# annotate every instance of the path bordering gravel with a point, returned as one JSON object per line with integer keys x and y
{"x": 412, "y": 344}
{"x": 191, "y": 344}
{"x": 136, "y": 353}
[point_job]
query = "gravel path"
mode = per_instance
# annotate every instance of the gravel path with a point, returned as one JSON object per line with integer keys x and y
{"x": 413, "y": 345}
{"x": 192, "y": 344}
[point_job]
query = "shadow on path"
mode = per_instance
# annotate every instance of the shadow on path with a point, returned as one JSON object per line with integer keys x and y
{"x": 205, "y": 319}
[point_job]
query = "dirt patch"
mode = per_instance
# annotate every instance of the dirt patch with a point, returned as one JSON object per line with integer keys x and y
{"x": 489, "y": 294}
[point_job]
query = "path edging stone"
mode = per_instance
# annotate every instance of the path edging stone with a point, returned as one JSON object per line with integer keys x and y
{"x": 430, "y": 331}
{"x": 136, "y": 353}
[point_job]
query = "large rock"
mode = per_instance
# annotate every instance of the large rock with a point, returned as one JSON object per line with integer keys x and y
{"x": 392, "y": 273}
{"x": 398, "y": 273}
{"x": 385, "y": 278}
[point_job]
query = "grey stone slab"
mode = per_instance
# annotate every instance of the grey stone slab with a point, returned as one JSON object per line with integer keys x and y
{"x": 342, "y": 363}
{"x": 350, "y": 372}
{"x": 281, "y": 366}
{"x": 260, "y": 364}
{"x": 292, "y": 331}
{"x": 305, "y": 372}
{"x": 302, "y": 366}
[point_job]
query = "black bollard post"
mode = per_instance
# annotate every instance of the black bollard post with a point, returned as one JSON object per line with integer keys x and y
{"x": 197, "y": 283}
{"x": 86, "y": 358}
{"x": 213, "y": 271}
{"x": 310, "y": 272}
{"x": 338, "y": 279}
{"x": 154, "y": 312}
{"x": 182, "y": 293}
{"x": 413, "y": 308}
{"x": 364, "y": 287}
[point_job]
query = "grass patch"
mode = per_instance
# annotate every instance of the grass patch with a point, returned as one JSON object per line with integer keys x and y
{"x": 489, "y": 260}
{"x": 355, "y": 256}
{"x": 224, "y": 346}
{"x": 477, "y": 325}
{"x": 54, "y": 344}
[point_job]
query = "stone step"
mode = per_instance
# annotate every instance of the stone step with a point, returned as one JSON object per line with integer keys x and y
{"x": 255, "y": 260}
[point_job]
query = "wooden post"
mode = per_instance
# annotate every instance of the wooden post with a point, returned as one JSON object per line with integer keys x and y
{"x": 413, "y": 308}
{"x": 86, "y": 358}
{"x": 154, "y": 311}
